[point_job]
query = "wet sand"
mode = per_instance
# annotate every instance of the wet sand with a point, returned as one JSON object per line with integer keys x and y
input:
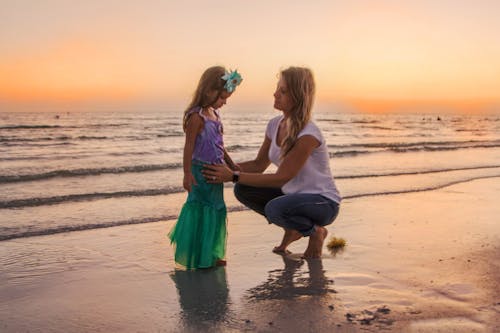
{"x": 417, "y": 262}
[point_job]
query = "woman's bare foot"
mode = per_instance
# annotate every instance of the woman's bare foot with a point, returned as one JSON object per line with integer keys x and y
{"x": 220, "y": 262}
{"x": 289, "y": 237}
{"x": 278, "y": 250}
{"x": 316, "y": 240}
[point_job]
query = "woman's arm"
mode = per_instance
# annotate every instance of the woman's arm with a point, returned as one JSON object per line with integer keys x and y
{"x": 194, "y": 126}
{"x": 289, "y": 167}
{"x": 261, "y": 162}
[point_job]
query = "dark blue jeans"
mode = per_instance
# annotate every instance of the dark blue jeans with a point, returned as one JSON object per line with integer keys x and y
{"x": 299, "y": 211}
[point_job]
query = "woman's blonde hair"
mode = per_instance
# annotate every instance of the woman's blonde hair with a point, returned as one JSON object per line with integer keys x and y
{"x": 210, "y": 81}
{"x": 301, "y": 87}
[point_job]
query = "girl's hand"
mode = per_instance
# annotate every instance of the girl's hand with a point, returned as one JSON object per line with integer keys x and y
{"x": 217, "y": 173}
{"x": 188, "y": 181}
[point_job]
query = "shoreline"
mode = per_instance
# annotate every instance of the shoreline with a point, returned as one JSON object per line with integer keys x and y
{"x": 416, "y": 262}
{"x": 232, "y": 204}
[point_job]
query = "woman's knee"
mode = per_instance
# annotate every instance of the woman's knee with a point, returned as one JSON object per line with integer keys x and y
{"x": 334, "y": 212}
{"x": 243, "y": 193}
{"x": 274, "y": 211}
{"x": 238, "y": 192}
{"x": 251, "y": 197}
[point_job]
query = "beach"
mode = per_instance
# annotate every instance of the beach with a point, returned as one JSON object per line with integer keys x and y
{"x": 391, "y": 108}
{"x": 414, "y": 262}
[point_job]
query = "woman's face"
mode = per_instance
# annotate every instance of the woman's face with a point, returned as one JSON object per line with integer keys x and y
{"x": 282, "y": 99}
{"x": 221, "y": 101}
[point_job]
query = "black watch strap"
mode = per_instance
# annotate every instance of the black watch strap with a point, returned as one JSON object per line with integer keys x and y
{"x": 236, "y": 176}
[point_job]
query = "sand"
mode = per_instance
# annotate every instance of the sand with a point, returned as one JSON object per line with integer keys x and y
{"x": 417, "y": 262}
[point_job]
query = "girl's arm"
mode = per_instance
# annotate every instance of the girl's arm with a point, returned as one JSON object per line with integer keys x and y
{"x": 194, "y": 126}
{"x": 229, "y": 161}
{"x": 289, "y": 168}
{"x": 261, "y": 162}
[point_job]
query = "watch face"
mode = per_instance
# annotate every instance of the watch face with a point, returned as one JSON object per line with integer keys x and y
{"x": 236, "y": 177}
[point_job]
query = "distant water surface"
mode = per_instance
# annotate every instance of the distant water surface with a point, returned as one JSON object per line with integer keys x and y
{"x": 76, "y": 171}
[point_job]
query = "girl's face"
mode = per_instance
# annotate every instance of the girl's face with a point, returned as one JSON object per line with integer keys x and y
{"x": 282, "y": 99}
{"x": 221, "y": 101}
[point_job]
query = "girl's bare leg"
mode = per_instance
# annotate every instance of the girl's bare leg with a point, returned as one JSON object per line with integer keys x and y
{"x": 220, "y": 262}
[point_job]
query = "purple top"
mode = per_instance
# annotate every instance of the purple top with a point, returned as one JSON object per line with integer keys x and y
{"x": 209, "y": 145}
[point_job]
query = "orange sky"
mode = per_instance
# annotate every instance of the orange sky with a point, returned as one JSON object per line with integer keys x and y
{"x": 370, "y": 56}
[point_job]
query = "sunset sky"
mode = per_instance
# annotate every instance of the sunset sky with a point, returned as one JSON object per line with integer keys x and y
{"x": 148, "y": 55}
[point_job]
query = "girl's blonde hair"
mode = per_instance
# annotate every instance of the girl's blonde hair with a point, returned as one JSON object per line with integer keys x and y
{"x": 210, "y": 81}
{"x": 301, "y": 87}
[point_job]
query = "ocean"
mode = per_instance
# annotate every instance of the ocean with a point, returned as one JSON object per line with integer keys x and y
{"x": 62, "y": 172}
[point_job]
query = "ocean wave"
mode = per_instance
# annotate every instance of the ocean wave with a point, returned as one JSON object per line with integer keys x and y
{"x": 351, "y": 153}
{"x": 416, "y": 144}
{"x": 44, "y": 201}
{"x": 21, "y": 141}
{"x": 26, "y": 158}
{"x": 34, "y": 144}
{"x": 73, "y": 157}
{"x": 88, "y": 172}
{"x": 370, "y": 148}
{"x": 15, "y": 127}
{"x": 171, "y": 166}
{"x": 385, "y": 128}
{"x": 329, "y": 120}
{"x": 101, "y": 125}
{"x": 443, "y": 148}
{"x": 37, "y": 127}
{"x": 169, "y": 135}
{"x": 233, "y": 148}
{"x": 418, "y": 172}
{"x": 71, "y": 228}
{"x": 46, "y": 138}
{"x": 364, "y": 121}
{"x": 424, "y": 189}
{"x": 54, "y": 200}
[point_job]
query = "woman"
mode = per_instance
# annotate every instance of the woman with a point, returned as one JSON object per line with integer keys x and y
{"x": 301, "y": 196}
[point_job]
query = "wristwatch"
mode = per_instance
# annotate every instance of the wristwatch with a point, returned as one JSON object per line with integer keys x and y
{"x": 236, "y": 176}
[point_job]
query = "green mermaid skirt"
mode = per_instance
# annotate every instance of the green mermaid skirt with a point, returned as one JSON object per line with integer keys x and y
{"x": 199, "y": 235}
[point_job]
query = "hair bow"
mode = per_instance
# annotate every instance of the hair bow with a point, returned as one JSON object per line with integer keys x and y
{"x": 233, "y": 79}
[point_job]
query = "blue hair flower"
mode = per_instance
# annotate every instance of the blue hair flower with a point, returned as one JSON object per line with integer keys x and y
{"x": 233, "y": 79}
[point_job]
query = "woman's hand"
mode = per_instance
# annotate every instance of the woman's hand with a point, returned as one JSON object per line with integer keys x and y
{"x": 189, "y": 181}
{"x": 217, "y": 173}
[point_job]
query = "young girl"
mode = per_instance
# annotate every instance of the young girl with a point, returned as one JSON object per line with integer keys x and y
{"x": 200, "y": 232}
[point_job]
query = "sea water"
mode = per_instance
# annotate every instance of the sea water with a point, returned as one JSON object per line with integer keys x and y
{"x": 61, "y": 172}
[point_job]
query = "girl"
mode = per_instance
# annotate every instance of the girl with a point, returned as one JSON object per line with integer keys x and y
{"x": 200, "y": 232}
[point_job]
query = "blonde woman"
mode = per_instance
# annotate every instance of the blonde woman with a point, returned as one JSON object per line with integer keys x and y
{"x": 301, "y": 196}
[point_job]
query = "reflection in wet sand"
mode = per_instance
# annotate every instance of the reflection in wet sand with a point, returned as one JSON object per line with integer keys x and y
{"x": 291, "y": 281}
{"x": 203, "y": 297}
{"x": 297, "y": 298}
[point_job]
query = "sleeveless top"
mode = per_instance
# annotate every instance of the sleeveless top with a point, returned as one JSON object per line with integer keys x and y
{"x": 315, "y": 176}
{"x": 209, "y": 144}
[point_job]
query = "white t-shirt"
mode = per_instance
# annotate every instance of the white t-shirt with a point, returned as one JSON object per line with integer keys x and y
{"x": 315, "y": 176}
